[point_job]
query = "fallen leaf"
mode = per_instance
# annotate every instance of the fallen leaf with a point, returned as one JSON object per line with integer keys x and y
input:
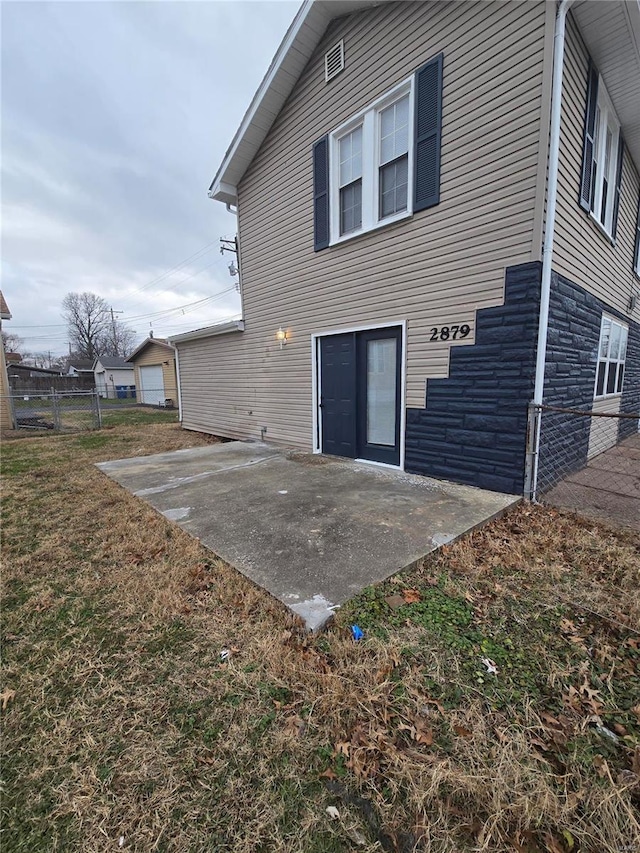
{"x": 569, "y": 839}
{"x": 383, "y": 673}
{"x": 600, "y": 764}
{"x": 333, "y": 812}
{"x": 411, "y": 596}
{"x": 423, "y": 732}
{"x": 461, "y": 731}
{"x": 328, "y": 774}
{"x": 7, "y": 696}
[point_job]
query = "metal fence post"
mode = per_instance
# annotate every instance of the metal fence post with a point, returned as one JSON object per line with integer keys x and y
{"x": 55, "y": 405}
{"x": 98, "y": 410}
{"x": 532, "y": 447}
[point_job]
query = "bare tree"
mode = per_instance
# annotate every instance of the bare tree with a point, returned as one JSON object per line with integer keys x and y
{"x": 12, "y": 342}
{"x": 121, "y": 339}
{"x": 93, "y": 329}
{"x": 87, "y": 317}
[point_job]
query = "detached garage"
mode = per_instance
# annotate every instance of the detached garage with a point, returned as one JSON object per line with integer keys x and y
{"x": 155, "y": 371}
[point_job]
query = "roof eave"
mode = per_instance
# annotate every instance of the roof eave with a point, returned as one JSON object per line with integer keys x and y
{"x": 209, "y": 331}
{"x": 611, "y": 32}
{"x": 147, "y": 342}
{"x": 296, "y": 48}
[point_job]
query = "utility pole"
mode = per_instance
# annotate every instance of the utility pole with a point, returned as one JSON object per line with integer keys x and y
{"x": 113, "y": 326}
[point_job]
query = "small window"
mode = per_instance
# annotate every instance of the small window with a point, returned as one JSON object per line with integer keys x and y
{"x": 334, "y": 61}
{"x": 371, "y": 166}
{"x": 394, "y": 158}
{"x": 604, "y": 163}
{"x": 611, "y": 358}
{"x": 350, "y": 150}
{"x": 382, "y": 164}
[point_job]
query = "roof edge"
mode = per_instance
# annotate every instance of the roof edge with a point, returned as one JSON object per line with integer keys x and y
{"x": 209, "y": 331}
{"x": 146, "y": 343}
{"x": 295, "y": 51}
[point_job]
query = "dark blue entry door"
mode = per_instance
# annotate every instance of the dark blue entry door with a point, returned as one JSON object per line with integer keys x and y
{"x": 360, "y": 375}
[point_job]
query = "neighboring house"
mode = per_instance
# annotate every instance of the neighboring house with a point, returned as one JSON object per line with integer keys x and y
{"x": 114, "y": 377}
{"x": 6, "y": 421}
{"x": 155, "y": 371}
{"x": 81, "y": 367}
{"x": 390, "y": 182}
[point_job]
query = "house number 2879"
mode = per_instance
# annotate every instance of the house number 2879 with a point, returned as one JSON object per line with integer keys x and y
{"x": 445, "y": 333}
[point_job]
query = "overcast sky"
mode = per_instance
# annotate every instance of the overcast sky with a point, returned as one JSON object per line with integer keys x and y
{"x": 115, "y": 118}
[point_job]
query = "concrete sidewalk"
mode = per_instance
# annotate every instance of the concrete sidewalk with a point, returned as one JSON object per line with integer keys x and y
{"x": 312, "y": 530}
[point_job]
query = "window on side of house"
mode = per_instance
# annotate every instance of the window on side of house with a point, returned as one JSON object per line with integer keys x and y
{"x": 611, "y": 357}
{"x": 383, "y": 164}
{"x": 370, "y": 165}
{"x": 602, "y": 157}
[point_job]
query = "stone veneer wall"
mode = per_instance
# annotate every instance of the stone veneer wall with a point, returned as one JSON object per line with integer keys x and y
{"x": 575, "y": 318}
{"x": 474, "y": 424}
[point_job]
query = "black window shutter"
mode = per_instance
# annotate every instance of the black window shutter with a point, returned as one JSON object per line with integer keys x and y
{"x": 321, "y": 194}
{"x": 616, "y": 200}
{"x": 586, "y": 176}
{"x": 428, "y": 132}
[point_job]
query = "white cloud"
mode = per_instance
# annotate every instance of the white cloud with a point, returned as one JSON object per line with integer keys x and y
{"x": 115, "y": 118}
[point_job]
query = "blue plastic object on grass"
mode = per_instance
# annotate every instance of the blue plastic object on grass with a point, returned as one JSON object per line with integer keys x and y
{"x": 357, "y": 632}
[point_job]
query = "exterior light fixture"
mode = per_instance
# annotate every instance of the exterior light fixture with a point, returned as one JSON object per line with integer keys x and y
{"x": 281, "y": 335}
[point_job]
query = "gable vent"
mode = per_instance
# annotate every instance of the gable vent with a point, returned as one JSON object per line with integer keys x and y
{"x": 334, "y": 61}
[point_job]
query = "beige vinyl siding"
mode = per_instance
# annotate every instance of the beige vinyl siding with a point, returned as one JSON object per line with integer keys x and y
{"x": 582, "y": 251}
{"x": 156, "y": 354}
{"x": 436, "y": 268}
{"x": 218, "y": 392}
{"x": 603, "y": 433}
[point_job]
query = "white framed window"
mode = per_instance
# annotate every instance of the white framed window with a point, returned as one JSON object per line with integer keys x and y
{"x": 612, "y": 352}
{"x": 371, "y": 166}
{"x": 605, "y": 161}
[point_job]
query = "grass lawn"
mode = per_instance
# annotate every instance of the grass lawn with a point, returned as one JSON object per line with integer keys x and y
{"x": 123, "y": 728}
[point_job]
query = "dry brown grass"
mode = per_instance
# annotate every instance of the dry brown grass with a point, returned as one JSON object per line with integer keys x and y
{"x": 126, "y": 723}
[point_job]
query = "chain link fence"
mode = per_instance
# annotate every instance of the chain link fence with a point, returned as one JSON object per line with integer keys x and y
{"x": 587, "y": 461}
{"x": 60, "y": 411}
{"x": 70, "y": 411}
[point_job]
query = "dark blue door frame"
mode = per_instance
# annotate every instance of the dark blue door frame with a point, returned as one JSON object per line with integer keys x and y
{"x": 342, "y": 380}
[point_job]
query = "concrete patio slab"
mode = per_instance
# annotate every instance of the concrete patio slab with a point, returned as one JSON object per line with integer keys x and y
{"x": 312, "y": 530}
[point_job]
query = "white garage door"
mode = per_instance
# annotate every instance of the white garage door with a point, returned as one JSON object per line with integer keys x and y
{"x": 152, "y": 385}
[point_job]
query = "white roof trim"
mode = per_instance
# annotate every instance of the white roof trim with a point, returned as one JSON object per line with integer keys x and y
{"x": 209, "y": 331}
{"x": 296, "y": 49}
{"x": 146, "y": 343}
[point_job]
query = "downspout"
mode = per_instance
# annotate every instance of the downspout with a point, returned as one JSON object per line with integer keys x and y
{"x": 178, "y": 384}
{"x": 549, "y": 231}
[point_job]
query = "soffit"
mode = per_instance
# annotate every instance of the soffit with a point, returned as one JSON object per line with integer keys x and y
{"x": 611, "y": 32}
